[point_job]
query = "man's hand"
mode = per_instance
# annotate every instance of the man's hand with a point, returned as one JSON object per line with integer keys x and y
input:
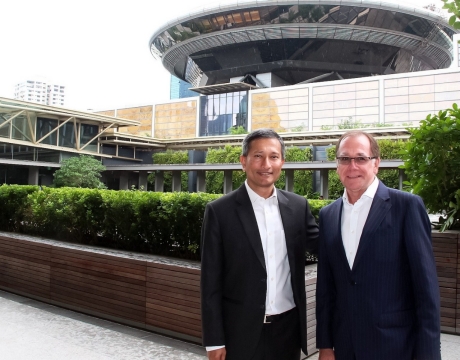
{"x": 218, "y": 354}
{"x": 326, "y": 354}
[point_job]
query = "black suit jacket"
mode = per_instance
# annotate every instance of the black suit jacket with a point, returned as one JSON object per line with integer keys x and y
{"x": 233, "y": 274}
{"x": 388, "y": 305}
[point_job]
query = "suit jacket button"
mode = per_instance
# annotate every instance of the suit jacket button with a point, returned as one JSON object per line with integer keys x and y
{"x": 262, "y": 306}
{"x": 352, "y": 282}
{"x": 263, "y": 280}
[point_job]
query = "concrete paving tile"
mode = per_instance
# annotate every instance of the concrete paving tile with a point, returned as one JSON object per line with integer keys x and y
{"x": 30, "y": 329}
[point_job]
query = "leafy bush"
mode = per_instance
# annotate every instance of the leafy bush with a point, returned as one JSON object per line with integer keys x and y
{"x": 80, "y": 171}
{"x": 432, "y": 164}
{"x": 303, "y": 179}
{"x": 150, "y": 222}
{"x": 170, "y": 157}
{"x": 454, "y": 8}
{"x": 215, "y": 179}
{"x": 14, "y": 205}
{"x": 66, "y": 213}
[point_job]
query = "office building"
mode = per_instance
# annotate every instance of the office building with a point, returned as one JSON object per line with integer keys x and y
{"x": 40, "y": 92}
{"x": 180, "y": 89}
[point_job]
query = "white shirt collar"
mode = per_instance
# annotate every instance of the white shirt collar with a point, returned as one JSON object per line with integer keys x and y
{"x": 370, "y": 192}
{"x": 253, "y": 196}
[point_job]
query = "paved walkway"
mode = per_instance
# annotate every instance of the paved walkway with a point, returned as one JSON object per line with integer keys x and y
{"x": 32, "y": 330}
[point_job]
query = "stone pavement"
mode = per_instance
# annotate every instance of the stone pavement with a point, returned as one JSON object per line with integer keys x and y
{"x": 32, "y": 330}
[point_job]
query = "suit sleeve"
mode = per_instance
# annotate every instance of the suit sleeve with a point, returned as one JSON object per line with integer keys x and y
{"x": 311, "y": 231}
{"x": 211, "y": 280}
{"x": 417, "y": 235}
{"x": 325, "y": 293}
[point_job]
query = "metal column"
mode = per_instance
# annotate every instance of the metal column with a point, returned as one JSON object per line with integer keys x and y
{"x": 176, "y": 180}
{"x": 228, "y": 186}
{"x": 201, "y": 181}
{"x": 289, "y": 176}
{"x": 159, "y": 181}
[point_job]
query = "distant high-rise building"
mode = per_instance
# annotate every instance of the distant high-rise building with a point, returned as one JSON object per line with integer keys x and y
{"x": 179, "y": 89}
{"x": 40, "y": 92}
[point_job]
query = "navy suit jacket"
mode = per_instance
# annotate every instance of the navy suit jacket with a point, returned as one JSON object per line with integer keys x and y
{"x": 388, "y": 305}
{"x": 233, "y": 274}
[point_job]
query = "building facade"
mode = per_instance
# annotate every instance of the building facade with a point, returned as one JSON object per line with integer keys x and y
{"x": 289, "y": 42}
{"x": 180, "y": 89}
{"x": 40, "y": 92}
{"x": 385, "y": 68}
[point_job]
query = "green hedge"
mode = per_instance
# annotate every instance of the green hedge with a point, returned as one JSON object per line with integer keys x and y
{"x": 150, "y": 222}
{"x": 13, "y": 208}
{"x": 169, "y": 157}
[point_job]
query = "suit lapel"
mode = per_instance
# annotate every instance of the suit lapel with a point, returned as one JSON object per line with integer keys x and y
{"x": 379, "y": 209}
{"x": 335, "y": 217}
{"x": 287, "y": 218}
{"x": 248, "y": 219}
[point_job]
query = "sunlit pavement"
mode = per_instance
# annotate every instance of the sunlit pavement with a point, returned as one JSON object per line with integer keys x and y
{"x": 32, "y": 330}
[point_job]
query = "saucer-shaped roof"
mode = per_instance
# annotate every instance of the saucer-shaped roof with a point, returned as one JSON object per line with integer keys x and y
{"x": 302, "y": 40}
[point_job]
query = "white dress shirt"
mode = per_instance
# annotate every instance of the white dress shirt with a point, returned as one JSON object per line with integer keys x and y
{"x": 279, "y": 296}
{"x": 279, "y": 289}
{"x": 354, "y": 218}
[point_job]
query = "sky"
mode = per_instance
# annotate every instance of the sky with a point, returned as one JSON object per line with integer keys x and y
{"x": 98, "y": 49}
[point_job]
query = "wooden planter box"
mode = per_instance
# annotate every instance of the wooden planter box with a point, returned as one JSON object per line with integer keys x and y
{"x": 158, "y": 293}
{"x": 150, "y": 292}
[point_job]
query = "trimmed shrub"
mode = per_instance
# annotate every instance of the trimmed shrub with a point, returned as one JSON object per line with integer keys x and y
{"x": 14, "y": 205}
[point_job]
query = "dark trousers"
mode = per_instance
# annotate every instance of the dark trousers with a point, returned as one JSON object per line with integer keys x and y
{"x": 280, "y": 340}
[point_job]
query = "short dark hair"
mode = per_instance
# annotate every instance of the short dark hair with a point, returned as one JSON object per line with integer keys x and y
{"x": 375, "y": 149}
{"x": 259, "y": 134}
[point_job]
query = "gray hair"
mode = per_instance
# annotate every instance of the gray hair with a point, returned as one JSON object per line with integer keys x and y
{"x": 262, "y": 134}
{"x": 375, "y": 149}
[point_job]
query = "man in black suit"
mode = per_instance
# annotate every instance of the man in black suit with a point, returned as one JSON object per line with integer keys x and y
{"x": 377, "y": 294}
{"x": 253, "y": 262}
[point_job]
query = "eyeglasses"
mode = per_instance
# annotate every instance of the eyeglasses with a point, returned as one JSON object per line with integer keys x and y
{"x": 359, "y": 160}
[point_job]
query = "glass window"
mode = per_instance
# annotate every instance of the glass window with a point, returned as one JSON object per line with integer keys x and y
{"x": 21, "y": 129}
{"x": 125, "y": 151}
{"x": 87, "y": 132}
{"x": 5, "y": 129}
{"x": 229, "y": 110}
{"x": 67, "y": 135}
{"x": 45, "y": 126}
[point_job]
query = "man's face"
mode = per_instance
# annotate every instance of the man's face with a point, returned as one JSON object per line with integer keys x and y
{"x": 356, "y": 178}
{"x": 263, "y": 164}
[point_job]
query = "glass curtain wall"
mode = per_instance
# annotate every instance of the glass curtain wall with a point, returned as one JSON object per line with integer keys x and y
{"x": 220, "y": 112}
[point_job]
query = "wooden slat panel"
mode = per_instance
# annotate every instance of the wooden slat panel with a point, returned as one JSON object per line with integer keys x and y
{"x": 98, "y": 303}
{"x": 177, "y": 269}
{"x": 186, "y": 322}
{"x": 101, "y": 275}
{"x": 182, "y": 313}
{"x": 192, "y": 292}
{"x": 98, "y": 307}
{"x": 102, "y": 282}
{"x": 101, "y": 258}
{"x": 99, "y": 267}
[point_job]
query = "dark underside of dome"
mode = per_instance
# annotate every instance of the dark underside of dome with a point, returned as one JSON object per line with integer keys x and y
{"x": 298, "y": 60}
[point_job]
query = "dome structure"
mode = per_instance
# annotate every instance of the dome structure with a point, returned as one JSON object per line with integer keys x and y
{"x": 301, "y": 41}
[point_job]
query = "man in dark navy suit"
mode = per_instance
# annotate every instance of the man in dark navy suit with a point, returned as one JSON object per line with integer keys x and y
{"x": 377, "y": 293}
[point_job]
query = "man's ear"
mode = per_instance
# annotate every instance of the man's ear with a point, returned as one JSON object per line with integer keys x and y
{"x": 376, "y": 166}
{"x": 243, "y": 162}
